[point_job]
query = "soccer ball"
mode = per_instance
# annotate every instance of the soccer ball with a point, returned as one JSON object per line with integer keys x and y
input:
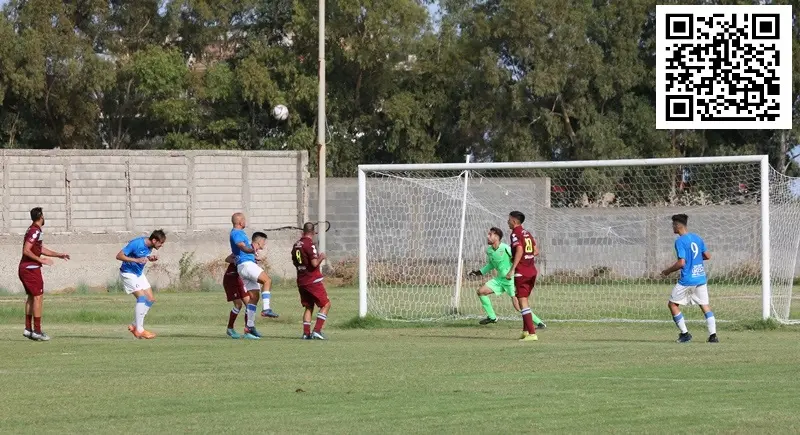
{"x": 280, "y": 112}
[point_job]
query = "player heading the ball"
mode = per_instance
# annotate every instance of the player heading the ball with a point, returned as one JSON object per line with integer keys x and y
{"x": 34, "y": 255}
{"x": 692, "y": 286}
{"x": 306, "y": 260}
{"x": 134, "y": 256}
{"x": 523, "y": 269}
{"x": 255, "y": 279}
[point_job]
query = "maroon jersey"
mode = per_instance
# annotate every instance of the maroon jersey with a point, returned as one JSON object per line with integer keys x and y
{"x": 302, "y": 253}
{"x": 33, "y": 235}
{"x": 521, "y": 237}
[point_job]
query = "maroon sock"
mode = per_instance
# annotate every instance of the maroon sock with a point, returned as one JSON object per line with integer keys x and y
{"x": 28, "y": 321}
{"x": 232, "y": 318}
{"x": 37, "y": 325}
{"x": 306, "y": 328}
{"x": 527, "y": 320}
{"x": 320, "y": 322}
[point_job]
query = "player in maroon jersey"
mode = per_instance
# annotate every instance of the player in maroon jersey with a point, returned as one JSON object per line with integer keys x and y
{"x": 523, "y": 270}
{"x": 236, "y": 293}
{"x": 306, "y": 260}
{"x": 34, "y": 255}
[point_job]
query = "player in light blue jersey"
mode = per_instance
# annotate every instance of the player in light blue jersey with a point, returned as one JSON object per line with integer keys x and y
{"x": 254, "y": 278}
{"x": 134, "y": 256}
{"x": 692, "y": 286}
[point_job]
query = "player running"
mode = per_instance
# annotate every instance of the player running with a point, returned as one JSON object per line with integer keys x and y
{"x": 134, "y": 256}
{"x": 498, "y": 257}
{"x": 306, "y": 260}
{"x": 34, "y": 255}
{"x": 236, "y": 293}
{"x": 692, "y": 286}
{"x": 523, "y": 269}
{"x": 253, "y": 276}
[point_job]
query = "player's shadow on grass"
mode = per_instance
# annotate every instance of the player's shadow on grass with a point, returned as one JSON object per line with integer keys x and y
{"x": 620, "y": 340}
{"x": 225, "y": 337}
{"x": 450, "y": 337}
{"x": 91, "y": 337}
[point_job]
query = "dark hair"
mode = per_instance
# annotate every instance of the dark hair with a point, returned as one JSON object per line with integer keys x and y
{"x": 308, "y": 227}
{"x": 36, "y": 214}
{"x": 259, "y": 235}
{"x": 159, "y": 235}
{"x": 518, "y": 215}
{"x": 497, "y": 231}
{"x": 680, "y": 218}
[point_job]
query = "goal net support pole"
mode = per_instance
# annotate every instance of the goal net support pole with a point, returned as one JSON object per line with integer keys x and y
{"x": 460, "y": 269}
{"x": 766, "y": 288}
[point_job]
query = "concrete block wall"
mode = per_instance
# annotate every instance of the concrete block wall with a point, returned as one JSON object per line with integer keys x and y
{"x": 571, "y": 239}
{"x": 187, "y": 193}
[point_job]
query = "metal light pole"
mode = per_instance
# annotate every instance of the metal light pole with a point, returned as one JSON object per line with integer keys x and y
{"x": 321, "y": 128}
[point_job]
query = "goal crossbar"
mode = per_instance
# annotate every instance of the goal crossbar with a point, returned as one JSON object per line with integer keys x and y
{"x": 565, "y": 164}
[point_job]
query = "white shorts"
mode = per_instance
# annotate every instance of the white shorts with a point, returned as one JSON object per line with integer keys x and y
{"x": 689, "y": 295}
{"x": 249, "y": 272}
{"x": 133, "y": 283}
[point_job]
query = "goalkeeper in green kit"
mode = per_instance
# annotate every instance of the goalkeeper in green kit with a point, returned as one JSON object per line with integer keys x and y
{"x": 498, "y": 258}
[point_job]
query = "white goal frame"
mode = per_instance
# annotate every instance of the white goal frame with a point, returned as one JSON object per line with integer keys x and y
{"x": 766, "y": 290}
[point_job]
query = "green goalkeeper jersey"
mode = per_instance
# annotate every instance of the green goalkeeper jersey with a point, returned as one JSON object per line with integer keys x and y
{"x": 498, "y": 259}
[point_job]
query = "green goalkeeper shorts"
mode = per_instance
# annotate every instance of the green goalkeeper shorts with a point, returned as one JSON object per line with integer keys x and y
{"x": 501, "y": 285}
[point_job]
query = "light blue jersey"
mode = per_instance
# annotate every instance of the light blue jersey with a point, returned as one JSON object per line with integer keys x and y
{"x": 690, "y": 247}
{"x": 238, "y": 236}
{"x": 136, "y": 248}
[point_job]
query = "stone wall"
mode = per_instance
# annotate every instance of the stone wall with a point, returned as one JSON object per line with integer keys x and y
{"x": 420, "y": 220}
{"x": 94, "y": 201}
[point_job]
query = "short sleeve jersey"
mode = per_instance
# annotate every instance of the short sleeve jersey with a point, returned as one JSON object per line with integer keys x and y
{"x": 34, "y": 236}
{"x": 238, "y": 236}
{"x": 521, "y": 237}
{"x": 690, "y": 248}
{"x": 303, "y": 252}
{"x": 136, "y": 248}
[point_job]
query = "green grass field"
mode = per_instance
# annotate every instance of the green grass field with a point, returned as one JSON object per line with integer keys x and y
{"x": 401, "y": 377}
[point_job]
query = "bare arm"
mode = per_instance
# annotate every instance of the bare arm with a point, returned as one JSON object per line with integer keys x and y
{"x": 247, "y": 250}
{"x": 122, "y": 257}
{"x": 706, "y": 256}
{"x": 48, "y": 253}
{"x": 230, "y": 259}
{"x": 535, "y": 248}
{"x": 27, "y": 252}
{"x": 515, "y": 263}
{"x": 517, "y": 258}
{"x": 675, "y": 267}
{"x": 315, "y": 262}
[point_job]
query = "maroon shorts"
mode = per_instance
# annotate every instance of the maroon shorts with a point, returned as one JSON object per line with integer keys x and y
{"x": 524, "y": 285}
{"x": 313, "y": 294}
{"x": 32, "y": 280}
{"x": 234, "y": 287}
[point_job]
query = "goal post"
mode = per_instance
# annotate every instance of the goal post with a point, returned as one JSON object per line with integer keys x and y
{"x": 603, "y": 230}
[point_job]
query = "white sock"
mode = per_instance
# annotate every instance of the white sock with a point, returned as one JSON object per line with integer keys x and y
{"x": 265, "y": 296}
{"x": 139, "y": 313}
{"x": 251, "y": 315}
{"x": 712, "y": 323}
{"x": 680, "y": 322}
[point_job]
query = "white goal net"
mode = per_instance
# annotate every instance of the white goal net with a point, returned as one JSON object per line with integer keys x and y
{"x": 603, "y": 230}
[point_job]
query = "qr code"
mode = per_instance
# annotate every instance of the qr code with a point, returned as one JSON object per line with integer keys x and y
{"x": 723, "y": 67}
